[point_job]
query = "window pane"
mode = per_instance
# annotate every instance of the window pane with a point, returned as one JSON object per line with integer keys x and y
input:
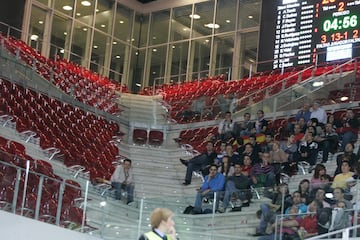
{"x": 201, "y": 26}
{"x": 60, "y": 32}
{"x": 157, "y": 65}
{"x": 201, "y": 57}
{"x": 223, "y": 51}
{"x": 104, "y": 15}
{"x": 160, "y": 27}
{"x": 249, "y": 14}
{"x": 118, "y": 56}
{"x": 45, "y": 2}
{"x": 179, "y": 54}
{"x": 181, "y": 23}
{"x": 85, "y": 12}
{"x": 226, "y": 15}
{"x": 100, "y": 50}
{"x": 248, "y": 52}
{"x": 137, "y": 68}
{"x": 65, "y": 6}
{"x": 123, "y": 23}
{"x": 80, "y": 43}
{"x": 140, "y": 30}
{"x": 36, "y": 28}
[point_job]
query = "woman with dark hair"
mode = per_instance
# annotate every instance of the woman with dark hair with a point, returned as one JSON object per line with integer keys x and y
{"x": 315, "y": 181}
{"x": 225, "y": 168}
{"x": 304, "y": 190}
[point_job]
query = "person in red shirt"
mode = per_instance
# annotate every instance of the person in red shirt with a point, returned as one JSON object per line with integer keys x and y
{"x": 309, "y": 224}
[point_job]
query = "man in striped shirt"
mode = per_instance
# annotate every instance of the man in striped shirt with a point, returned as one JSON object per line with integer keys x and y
{"x": 262, "y": 174}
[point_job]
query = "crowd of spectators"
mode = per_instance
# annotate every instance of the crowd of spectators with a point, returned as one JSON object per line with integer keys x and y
{"x": 240, "y": 162}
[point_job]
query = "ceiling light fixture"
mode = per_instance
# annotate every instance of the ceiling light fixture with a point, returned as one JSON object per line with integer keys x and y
{"x": 102, "y": 25}
{"x": 85, "y": 29}
{"x": 67, "y": 8}
{"x": 97, "y": 10}
{"x": 117, "y": 56}
{"x": 86, "y": 3}
{"x": 154, "y": 50}
{"x": 227, "y": 21}
{"x": 41, "y": 22}
{"x": 95, "y": 46}
{"x": 250, "y": 16}
{"x": 114, "y": 42}
{"x": 194, "y": 16}
{"x": 34, "y": 37}
{"x": 212, "y": 25}
{"x": 121, "y": 21}
{"x": 138, "y": 84}
{"x": 78, "y": 14}
{"x": 62, "y": 50}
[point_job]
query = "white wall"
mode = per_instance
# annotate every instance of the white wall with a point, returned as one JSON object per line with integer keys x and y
{"x": 14, "y": 227}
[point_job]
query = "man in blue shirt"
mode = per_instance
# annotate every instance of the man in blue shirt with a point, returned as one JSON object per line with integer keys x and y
{"x": 214, "y": 182}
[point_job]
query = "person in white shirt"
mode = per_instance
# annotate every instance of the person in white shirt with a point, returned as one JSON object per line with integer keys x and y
{"x": 122, "y": 180}
{"x": 318, "y": 113}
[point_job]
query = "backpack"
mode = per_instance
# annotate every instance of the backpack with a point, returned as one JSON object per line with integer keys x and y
{"x": 324, "y": 219}
{"x": 188, "y": 210}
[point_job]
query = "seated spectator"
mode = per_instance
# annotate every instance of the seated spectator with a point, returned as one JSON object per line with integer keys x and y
{"x": 262, "y": 174}
{"x": 349, "y": 129}
{"x": 261, "y": 124}
{"x": 123, "y": 180}
{"x": 266, "y": 146}
{"x": 298, "y": 133}
{"x": 318, "y": 113}
{"x": 246, "y": 167}
{"x": 290, "y": 148}
{"x": 227, "y": 127}
{"x": 315, "y": 181}
{"x": 247, "y": 126}
{"x": 240, "y": 146}
{"x": 199, "y": 162}
{"x": 349, "y": 156}
{"x": 225, "y": 168}
{"x": 304, "y": 190}
{"x": 214, "y": 182}
{"x": 341, "y": 179}
{"x": 308, "y": 150}
{"x": 238, "y": 185}
{"x": 222, "y": 153}
{"x": 309, "y": 224}
{"x": 335, "y": 123}
{"x": 278, "y": 158}
{"x": 319, "y": 195}
{"x": 328, "y": 142}
{"x": 268, "y": 211}
{"x": 249, "y": 151}
{"x": 317, "y": 128}
{"x": 256, "y": 148}
{"x": 297, "y": 201}
{"x": 339, "y": 196}
{"x": 287, "y": 227}
{"x": 303, "y": 113}
{"x": 233, "y": 156}
{"x": 340, "y": 217}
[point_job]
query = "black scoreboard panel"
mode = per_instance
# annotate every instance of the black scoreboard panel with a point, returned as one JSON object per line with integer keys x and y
{"x": 299, "y": 32}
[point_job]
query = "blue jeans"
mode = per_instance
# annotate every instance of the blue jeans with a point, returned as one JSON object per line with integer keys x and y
{"x": 195, "y": 164}
{"x": 265, "y": 215}
{"x": 199, "y": 198}
{"x": 120, "y": 187}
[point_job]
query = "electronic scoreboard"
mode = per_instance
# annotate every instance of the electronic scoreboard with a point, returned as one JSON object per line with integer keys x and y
{"x": 296, "y": 32}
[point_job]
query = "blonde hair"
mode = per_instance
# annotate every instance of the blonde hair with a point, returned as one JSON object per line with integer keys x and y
{"x": 159, "y": 215}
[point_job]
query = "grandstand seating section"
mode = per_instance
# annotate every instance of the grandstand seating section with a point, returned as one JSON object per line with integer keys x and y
{"x": 83, "y": 138}
{"x": 180, "y": 96}
{"x": 83, "y": 84}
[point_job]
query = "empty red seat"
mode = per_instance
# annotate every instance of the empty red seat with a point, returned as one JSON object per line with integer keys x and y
{"x": 156, "y": 137}
{"x": 140, "y": 136}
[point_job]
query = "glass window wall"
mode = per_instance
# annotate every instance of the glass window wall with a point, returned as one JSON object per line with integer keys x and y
{"x": 104, "y": 15}
{"x": 249, "y": 13}
{"x": 85, "y": 11}
{"x": 65, "y": 6}
{"x": 223, "y": 51}
{"x": 36, "y": 27}
{"x": 123, "y": 23}
{"x": 200, "y": 57}
{"x": 140, "y": 33}
{"x": 178, "y": 55}
{"x": 159, "y": 27}
{"x": 226, "y": 16}
{"x": 181, "y": 23}
{"x": 60, "y": 33}
{"x": 203, "y": 19}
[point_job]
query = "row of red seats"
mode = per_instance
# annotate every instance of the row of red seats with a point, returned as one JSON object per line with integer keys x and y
{"x": 83, "y": 138}
{"x": 50, "y": 193}
{"x": 180, "y": 96}
{"x": 83, "y": 84}
{"x": 154, "y": 137}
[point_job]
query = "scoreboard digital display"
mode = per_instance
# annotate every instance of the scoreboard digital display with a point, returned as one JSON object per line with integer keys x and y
{"x": 299, "y": 32}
